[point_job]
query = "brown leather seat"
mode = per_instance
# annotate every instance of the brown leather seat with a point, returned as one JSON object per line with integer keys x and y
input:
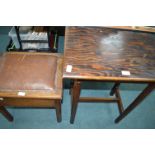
{"x": 31, "y": 79}
{"x": 27, "y": 72}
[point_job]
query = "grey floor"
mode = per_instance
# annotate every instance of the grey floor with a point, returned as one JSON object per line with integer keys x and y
{"x": 89, "y": 115}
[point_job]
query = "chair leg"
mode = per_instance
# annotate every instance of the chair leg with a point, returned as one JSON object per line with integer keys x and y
{"x": 6, "y": 114}
{"x": 58, "y": 110}
{"x": 75, "y": 98}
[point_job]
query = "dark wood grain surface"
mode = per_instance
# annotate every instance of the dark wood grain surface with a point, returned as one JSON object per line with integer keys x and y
{"x": 136, "y": 28}
{"x": 98, "y": 53}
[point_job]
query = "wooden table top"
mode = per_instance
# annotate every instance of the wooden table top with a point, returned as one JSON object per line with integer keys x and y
{"x": 99, "y": 53}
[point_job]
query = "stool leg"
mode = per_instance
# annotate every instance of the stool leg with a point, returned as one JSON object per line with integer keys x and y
{"x": 6, "y": 114}
{"x": 75, "y": 94}
{"x": 58, "y": 110}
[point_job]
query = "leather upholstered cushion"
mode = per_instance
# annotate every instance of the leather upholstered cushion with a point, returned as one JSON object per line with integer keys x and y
{"x": 27, "y": 71}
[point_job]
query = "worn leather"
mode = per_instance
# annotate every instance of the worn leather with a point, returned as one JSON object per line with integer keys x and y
{"x": 27, "y": 72}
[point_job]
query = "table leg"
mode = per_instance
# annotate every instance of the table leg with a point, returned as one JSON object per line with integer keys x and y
{"x": 6, "y": 114}
{"x": 119, "y": 101}
{"x": 71, "y": 87}
{"x": 113, "y": 90}
{"x": 136, "y": 102}
{"x": 58, "y": 110}
{"x": 75, "y": 94}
